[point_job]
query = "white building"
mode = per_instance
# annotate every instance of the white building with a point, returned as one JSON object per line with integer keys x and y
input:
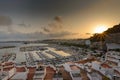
{"x": 113, "y": 57}
{"x": 57, "y": 76}
{"x": 39, "y": 73}
{"x": 112, "y": 46}
{"x": 73, "y": 70}
{"x": 20, "y": 76}
{"x": 96, "y": 65}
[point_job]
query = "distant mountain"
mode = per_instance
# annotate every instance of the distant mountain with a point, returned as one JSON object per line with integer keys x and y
{"x": 114, "y": 29}
{"x": 110, "y": 35}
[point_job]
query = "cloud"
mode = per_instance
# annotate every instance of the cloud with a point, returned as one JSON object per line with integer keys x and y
{"x": 58, "y": 19}
{"x": 61, "y": 34}
{"x": 5, "y": 21}
{"x": 88, "y": 33}
{"x": 24, "y": 25}
{"x": 46, "y": 29}
{"x": 55, "y": 29}
{"x": 33, "y": 36}
{"x": 55, "y": 26}
{"x": 21, "y": 36}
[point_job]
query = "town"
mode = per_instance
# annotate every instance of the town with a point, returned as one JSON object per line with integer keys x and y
{"x": 58, "y": 62}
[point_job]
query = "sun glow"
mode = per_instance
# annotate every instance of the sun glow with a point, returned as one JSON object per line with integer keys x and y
{"x": 100, "y": 29}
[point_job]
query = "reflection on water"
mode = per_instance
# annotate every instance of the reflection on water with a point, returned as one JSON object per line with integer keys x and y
{"x": 20, "y": 56}
{"x": 49, "y": 55}
{"x": 8, "y": 50}
{"x": 62, "y": 53}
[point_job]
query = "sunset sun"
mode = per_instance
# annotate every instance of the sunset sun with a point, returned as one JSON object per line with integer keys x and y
{"x": 100, "y": 29}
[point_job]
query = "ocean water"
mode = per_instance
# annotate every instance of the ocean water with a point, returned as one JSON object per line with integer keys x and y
{"x": 62, "y": 53}
{"x": 20, "y": 56}
{"x": 3, "y": 44}
{"x": 8, "y": 50}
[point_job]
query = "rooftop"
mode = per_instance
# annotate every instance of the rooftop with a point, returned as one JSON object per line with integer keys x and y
{"x": 49, "y": 73}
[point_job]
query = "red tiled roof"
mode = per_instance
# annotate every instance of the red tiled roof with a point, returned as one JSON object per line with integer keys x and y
{"x": 7, "y": 63}
{"x": 65, "y": 74}
{"x": 20, "y": 69}
{"x": 117, "y": 72}
{"x": 105, "y": 65}
{"x": 73, "y": 67}
{"x": 85, "y": 61}
{"x": 31, "y": 73}
{"x": 7, "y": 69}
{"x": 49, "y": 73}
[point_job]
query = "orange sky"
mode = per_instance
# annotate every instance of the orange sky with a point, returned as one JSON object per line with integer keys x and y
{"x": 48, "y": 19}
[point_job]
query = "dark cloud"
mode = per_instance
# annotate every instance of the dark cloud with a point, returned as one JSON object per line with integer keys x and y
{"x": 88, "y": 33}
{"x": 5, "y": 21}
{"x": 24, "y": 25}
{"x": 44, "y": 7}
{"x": 21, "y": 36}
{"x": 58, "y": 19}
{"x": 54, "y": 26}
{"x": 45, "y": 29}
{"x": 33, "y": 36}
{"x": 55, "y": 29}
{"x": 52, "y": 30}
{"x": 61, "y": 34}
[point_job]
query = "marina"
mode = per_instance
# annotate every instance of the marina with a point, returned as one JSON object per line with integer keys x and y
{"x": 32, "y": 54}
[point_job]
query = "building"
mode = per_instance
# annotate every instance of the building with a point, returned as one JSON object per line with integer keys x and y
{"x": 39, "y": 73}
{"x": 21, "y": 74}
{"x": 73, "y": 70}
{"x": 113, "y": 38}
{"x": 112, "y": 46}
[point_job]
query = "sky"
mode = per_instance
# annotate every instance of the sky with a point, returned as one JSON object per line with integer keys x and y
{"x": 55, "y": 19}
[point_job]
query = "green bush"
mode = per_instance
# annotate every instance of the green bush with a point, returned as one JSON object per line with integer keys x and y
{"x": 105, "y": 78}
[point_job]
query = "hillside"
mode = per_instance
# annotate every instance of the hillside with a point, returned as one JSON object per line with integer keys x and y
{"x": 110, "y": 35}
{"x": 114, "y": 29}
